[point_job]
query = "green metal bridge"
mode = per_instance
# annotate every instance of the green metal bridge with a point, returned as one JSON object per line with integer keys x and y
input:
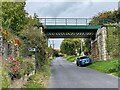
{"x": 69, "y": 27}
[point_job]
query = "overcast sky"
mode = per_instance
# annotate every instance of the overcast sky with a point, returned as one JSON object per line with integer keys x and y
{"x": 69, "y": 8}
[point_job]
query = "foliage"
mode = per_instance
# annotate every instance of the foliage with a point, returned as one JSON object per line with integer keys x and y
{"x": 33, "y": 85}
{"x": 19, "y": 59}
{"x": 28, "y": 67}
{"x": 40, "y": 79}
{"x": 87, "y": 46}
{"x": 16, "y": 21}
{"x": 5, "y": 79}
{"x": 55, "y": 53}
{"x": 106, "y": 17}
{"x": 111, "y": 18}
{"x": 49, "y": 51}
{"x": 33, "y": 37}
{"x": 14, "y": 67}
{"x": 113, "y": 41}
{"x": 52, "y": 52}
{"x": 25, "y": 31}
{"x": 17, "y": 69}
{"x": 13, "y": 16}
{"x": 69, "y": 46}
{"x": 33, "y": 82}
{"x": 109, "y": 66}
{"x": 71, "y": 58}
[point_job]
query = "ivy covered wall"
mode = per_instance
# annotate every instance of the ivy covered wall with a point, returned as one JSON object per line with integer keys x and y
{"x": 107, "y": 44}
{"x": 113, "y": 40}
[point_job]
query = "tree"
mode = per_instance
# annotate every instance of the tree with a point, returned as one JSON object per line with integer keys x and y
{"x": 106, "y": 18}
{"x": 69, "y": 46}
{"x": 13, "y": 16}
{"x": 50, "y": 51}
{"x": 87, "y": 46}
{"x": 33, "y": 37}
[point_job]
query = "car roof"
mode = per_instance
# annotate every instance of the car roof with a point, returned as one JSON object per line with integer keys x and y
{"x": 84, "y": 56}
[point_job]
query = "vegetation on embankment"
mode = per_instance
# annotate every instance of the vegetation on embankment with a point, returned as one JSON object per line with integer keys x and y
{"x": 110, "y": 66}
{"x": 40, "y": 79}
{"x": 71, "y": 58}
{"x": 20, "y": 33}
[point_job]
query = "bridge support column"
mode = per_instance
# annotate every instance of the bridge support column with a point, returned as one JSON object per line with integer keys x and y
{"x": 94, "y": 50}
{"x": 99, "y": 51}
{"x": 101, "y": 41}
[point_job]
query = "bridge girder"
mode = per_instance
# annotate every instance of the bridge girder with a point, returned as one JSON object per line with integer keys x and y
{"x": 70, "y": 31}
{"x": 70, "y": 34}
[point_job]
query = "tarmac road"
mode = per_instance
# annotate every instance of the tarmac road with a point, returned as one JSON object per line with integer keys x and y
{"x": 67, "y": 75}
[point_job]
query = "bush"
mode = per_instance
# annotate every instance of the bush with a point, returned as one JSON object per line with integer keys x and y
{"x": 19, "y": 59}
{"x": 32, "y": 77}
{"x": 118, "y": 65}
{"x": 28, "y": 67}
{"x": 17, "y": 68}
{"x": 5, "y": 79}
{"x": 40, "y": 79}
{"x": 13, "y": 67}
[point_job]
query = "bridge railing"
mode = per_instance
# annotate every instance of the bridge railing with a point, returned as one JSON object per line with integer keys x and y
{"x": 74, "y": 21}
{"x": 65, "y": 21}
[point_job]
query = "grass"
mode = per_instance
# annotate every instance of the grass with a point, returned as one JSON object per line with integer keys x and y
{"x": 33, "y": 85}
{"x": 4, "y": 78}
{"x": 40, "y": 79}
{"x": 109, "y": 66}
{"x": 71, "y": 58}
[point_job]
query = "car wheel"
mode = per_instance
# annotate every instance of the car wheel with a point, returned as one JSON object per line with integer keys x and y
{"x": 80, "y": 64}
{"x": 77, "y": 64}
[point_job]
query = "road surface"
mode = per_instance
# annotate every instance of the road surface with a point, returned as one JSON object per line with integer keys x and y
{"x": 67, "y": 75}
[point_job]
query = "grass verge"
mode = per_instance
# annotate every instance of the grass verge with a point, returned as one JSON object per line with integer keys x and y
{"x": 109, "y": 66}
{"x": 40, "y": 79}
{"x": 71, "y": 58}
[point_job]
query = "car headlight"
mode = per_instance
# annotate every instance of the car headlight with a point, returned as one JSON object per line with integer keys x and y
{"x": 84, "y": 60}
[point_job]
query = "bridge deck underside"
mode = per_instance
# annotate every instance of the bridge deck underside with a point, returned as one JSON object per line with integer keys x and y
{"x": 70, "y": 31}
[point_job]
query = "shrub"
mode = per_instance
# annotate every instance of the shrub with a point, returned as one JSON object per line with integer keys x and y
{"x": 28, "y": 67}
{"x": 13, "y": 67}
{"x": 5, "y": 79}
{"x": 17, "y": 68}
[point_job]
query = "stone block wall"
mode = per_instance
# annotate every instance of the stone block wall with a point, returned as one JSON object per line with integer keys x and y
{"x": 99, "y": 51}
{"x": 101, "y": 37}
{"x": 94, "y": 50}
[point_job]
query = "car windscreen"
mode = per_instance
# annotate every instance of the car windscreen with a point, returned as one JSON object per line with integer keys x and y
{"x": 83, "y": 57}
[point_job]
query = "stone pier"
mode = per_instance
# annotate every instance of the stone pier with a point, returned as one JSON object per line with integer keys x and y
{"x": 99, "y": 51}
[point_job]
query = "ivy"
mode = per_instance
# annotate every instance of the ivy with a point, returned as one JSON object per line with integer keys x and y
{"x": 112, "y": 41}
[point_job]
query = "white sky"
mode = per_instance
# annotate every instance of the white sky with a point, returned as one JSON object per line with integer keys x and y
{"x": 69, "y": 8}
{"x": 72, "y": 0}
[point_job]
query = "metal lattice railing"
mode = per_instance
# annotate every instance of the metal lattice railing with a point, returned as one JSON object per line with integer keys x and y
{"x": 74, "y": 21}
{"x": 65, "y": 21}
